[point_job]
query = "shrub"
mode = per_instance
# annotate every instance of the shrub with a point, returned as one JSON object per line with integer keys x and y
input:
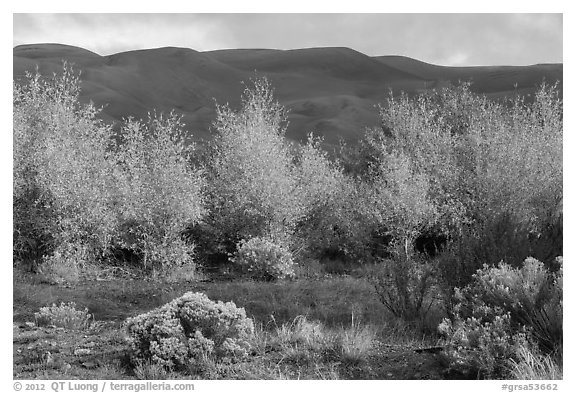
{"x": 189, "y": 328}
{"x": 479, "y": 348}
{"x": 500, "y": 311}
{"x": 532, "y": 295}
{"x": 65, "y": 315}
{"x": 264, "y": 259}
{"x": 406, "y": 286}
{"x": 66, "y": 262}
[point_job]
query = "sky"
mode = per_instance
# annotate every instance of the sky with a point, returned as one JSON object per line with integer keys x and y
{"x": 443, "y": 39}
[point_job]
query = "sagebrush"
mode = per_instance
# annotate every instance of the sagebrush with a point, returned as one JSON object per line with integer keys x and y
{"x": 189, "y": 328}
{"x": 503, "y": 311}
{"x": 64, "y": 315}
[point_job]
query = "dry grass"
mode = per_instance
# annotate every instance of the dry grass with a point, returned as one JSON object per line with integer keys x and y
{"x": 304, "y": 329}
{"x": 533, "y": 366}
{"x": 353, "y": 343}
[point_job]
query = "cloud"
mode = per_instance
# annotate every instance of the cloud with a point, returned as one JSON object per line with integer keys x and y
{"x": 457, "y": 59}
{"x": 112, "y": 33}
{"x": 450, "y": 39}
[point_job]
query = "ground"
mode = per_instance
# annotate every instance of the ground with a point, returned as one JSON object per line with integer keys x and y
{"x": 101, "y": 351}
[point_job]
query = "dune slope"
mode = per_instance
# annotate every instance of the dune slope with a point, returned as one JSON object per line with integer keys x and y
{"x": 329, "y": 91}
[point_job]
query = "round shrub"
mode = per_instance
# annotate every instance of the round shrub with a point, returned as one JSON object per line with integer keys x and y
{"x": 264, "y": 259}
{"x": 65, "y": 315}
{"x": 501, "y": 311}
{"x": 188, "y": 329}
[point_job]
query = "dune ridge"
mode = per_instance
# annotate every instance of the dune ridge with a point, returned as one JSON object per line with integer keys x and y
{"x": 329, "y": 91}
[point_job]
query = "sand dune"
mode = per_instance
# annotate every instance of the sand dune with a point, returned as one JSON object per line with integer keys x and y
{"x": 328, "y": 91}
{"x": 486, "y": 79}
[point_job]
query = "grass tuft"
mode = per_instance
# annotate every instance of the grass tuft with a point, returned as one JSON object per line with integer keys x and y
{"x": 533, "y": 366}
{"x": 354, "y": 343}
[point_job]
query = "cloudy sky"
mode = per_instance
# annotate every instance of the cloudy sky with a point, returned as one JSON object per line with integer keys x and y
{"x": 445, "y": 39}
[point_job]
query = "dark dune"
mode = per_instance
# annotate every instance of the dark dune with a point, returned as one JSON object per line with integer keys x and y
{"x": 328, "y": 91}
{"x": 488, "y": 80}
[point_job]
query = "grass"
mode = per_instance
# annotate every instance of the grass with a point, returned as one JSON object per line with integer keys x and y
{"x": 300, "y": 349}
{"x": 533, "y": 366}
{"x": 354, "y": 342}
{"x": 117, "y": 299}
{"x": 97, "y": 352}
{"x": 332, "y": 328}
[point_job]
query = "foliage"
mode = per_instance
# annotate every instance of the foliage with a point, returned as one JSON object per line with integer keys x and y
{"x": 498, "y": 239}
{"x": 501, "y": 310}
{"x": 63, "y": 181}
{"x": 413, "y": 162}
{"x": 304, "y": 332}
{"x": 480, "y": 348}
{"x": 259, "y": 188}
{"x": 399, "y": 197}
{"x": 188, "y": 328}
{"x": 333, "y": 217}
{"x": 532, "y": 295}
{"x": 78, "y": 195}
{"x": 159, "y": 193}
{"x": 64, "y": 315}
{"x": 65, "y": 263}
{"x": 522, "y": 161}
{"x": 515, "y": 210}
{"x": 264, "y": 259}
{"x": 458, "y": 164}
{"x": 250, "y": 171}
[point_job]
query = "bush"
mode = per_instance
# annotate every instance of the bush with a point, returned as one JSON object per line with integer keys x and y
{"x": 500, "y": 311}
{"x": 65, "y": 315}
{"x": 532, "y": 295}
{"x": 406, "y": 285}
{"x": 188, "y": 329}
{"x": 66, "y": 263}
{"x": 264, "y": 259}
{"x": 497, "y": 239}
{"x": 479, "y": 348}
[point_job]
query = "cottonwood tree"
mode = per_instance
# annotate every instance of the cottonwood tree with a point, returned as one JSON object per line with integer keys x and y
{"x": 252, "y": 182}
{"x": 63, "y": 185}
{"x": 78, "y": 195}
{"x": 159, "y": 193}
{"x": 333, "y": 220}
